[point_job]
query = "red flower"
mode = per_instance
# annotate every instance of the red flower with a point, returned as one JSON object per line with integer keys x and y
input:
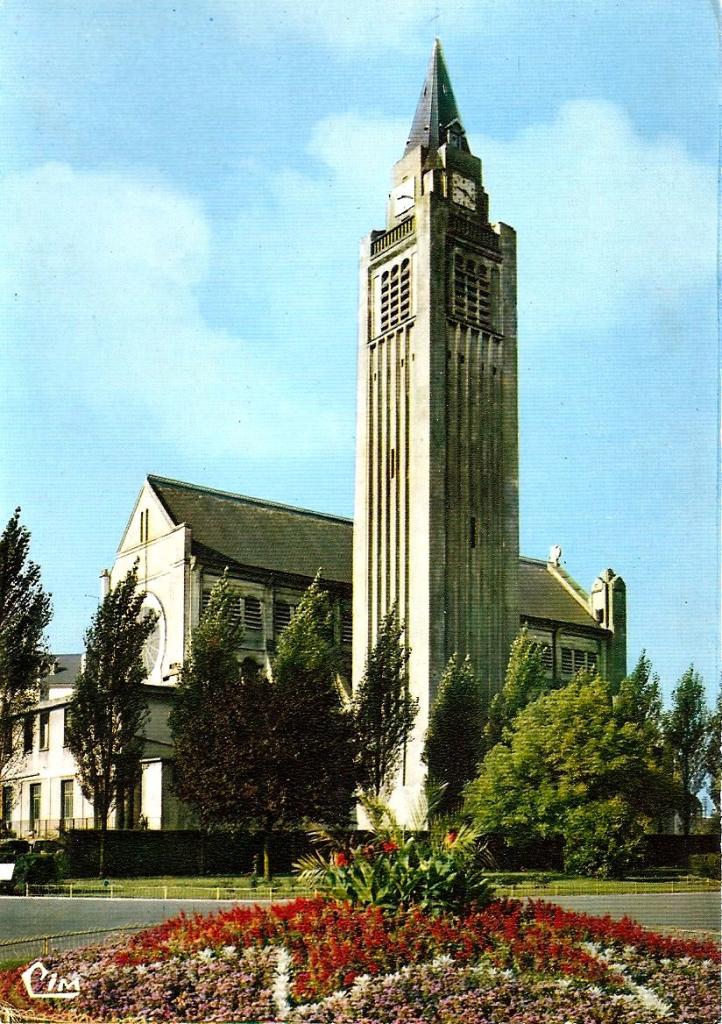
{"x": 389, "y": 846}
{"x": 451, "y": 838}
{"x": 340, "y": 859}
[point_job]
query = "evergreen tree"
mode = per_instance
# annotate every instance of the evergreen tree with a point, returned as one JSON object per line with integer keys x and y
{"x": 207, "y": 712}
{"x": 109, "y": 706}
{"x": 525, "y": 680}
{"x": 384, "y": 712}
{"x": 639, "y": 698}
{"x": 455, "y": 736}
{"x": 686, "y": 730}
{"x": 24, "y": 616}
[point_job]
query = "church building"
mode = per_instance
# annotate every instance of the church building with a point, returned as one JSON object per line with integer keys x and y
{"x": 436, "y": 528}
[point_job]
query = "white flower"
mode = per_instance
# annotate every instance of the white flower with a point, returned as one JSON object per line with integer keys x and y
{"x": 444, "y": 960}
{"x": 228, "y": 950}
{"x": 205, "y": 954}
{"x": 361, "y": 982}
{"x": 141, "y": 969}
{"x": 281, "y": 983}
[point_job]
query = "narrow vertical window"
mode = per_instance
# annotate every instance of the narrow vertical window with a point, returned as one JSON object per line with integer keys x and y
{"x": 472, "y": 532}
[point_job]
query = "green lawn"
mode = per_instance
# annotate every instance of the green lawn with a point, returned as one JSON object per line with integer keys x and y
{"x": 243, "y": 886}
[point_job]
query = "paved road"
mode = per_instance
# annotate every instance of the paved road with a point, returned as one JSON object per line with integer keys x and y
{"x": 46, "y": 915}
{"x": 693, "y": 910}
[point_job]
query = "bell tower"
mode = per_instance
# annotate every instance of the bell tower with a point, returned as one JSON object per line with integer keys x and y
{"x": 436, "y": 520}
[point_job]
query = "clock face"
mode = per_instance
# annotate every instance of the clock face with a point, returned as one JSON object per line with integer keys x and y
{"x": 463, "y": 191}
{"x": 402, "y": 197}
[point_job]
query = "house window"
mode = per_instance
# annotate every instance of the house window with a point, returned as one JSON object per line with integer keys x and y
{"x": 7, "y": 808}
{"x": 472, "y": 532}
{"x": 282, "y": 613}
{"x": 28, "y": 729}
{"x": 575, "y": 660}
{"x": 252, "y": 615}
{"x": 66, "y": 799}
{"x": 144, "y": 526}
{"x": 592, "y": 660}
{"x": 44, "y": 730}
{"x": 35, "y": 792}
{"x": 346, "y": 626}
{"x": 205, "y": 601}
{"x": 567, "y": 660}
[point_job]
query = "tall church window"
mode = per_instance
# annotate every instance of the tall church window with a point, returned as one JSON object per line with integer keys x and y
{"x": 395, "y": 295}
{"x": 28, "y": 730}
{"x": 471, "y": 291}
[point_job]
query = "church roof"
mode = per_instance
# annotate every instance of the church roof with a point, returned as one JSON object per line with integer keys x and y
{"x": 233, "y": 528}
{"x": 436, "y": 108}
{"x": 543, "y": 596}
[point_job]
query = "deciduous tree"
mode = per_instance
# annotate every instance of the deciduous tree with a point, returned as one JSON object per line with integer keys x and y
{"x": 265, "y": 753}
{"x": 383, "y": 709}
{"x": 25, "y": 613}
{"x": 686, "y": 729}
{"x": 566, "y": 751}
{"x": 455, "y": 736}
{"x": 109, "y": 706}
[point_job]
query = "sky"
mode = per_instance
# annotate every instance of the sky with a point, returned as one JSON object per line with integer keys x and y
{"x": 183, "y": 188}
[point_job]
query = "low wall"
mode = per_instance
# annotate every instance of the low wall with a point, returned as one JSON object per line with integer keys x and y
{"x": 190, "y": 852}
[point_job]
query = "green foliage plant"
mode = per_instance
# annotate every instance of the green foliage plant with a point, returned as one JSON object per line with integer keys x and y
{"x": 603, "y": 838}
{"x": 442, "y": 871}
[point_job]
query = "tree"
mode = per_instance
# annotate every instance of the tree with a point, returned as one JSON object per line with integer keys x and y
{"x": 567, "y": 758}
{"x": 525, "y": 680}
{"x": 455, "y": 736}
{"x": 686, "y": 728}
{"x": 109, "y": 706}
{"x": 282, "y": 749}
{"x": 383, "y": 709}
{"x": 25, "y": 613}
{"x": 713, "y": 755}
{"x": 209, "y": 713}
{"x": 638, "y": 716}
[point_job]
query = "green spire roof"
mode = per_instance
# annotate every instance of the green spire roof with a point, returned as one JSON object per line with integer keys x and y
{"x": 436, "y": 109}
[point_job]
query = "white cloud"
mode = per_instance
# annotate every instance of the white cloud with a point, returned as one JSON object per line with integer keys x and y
{"x": 606, "y": 218}
{"x": 101, "y": 274}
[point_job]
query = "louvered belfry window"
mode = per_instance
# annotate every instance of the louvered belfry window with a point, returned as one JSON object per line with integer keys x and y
{"x": 252, "y": 613}
{"x": 395, "y": 295}
{"x": 471, "y": 294}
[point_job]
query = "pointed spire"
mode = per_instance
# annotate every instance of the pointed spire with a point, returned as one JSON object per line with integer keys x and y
{"x": 436, "y": 109}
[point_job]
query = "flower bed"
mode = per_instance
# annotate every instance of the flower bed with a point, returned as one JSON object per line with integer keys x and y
{"x": 508, "y": 963}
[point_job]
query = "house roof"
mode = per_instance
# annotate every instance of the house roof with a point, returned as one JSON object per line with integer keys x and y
{"x": 543, "y": 596}
{"x": 234, "y": 528}
{"x": 66, "y": 668}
